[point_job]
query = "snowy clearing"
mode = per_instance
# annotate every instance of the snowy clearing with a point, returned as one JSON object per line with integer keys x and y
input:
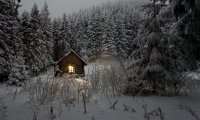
{"x": 98, "y": 108}
{"x": 15, "y": 103}
{"x": 141, "y": 51}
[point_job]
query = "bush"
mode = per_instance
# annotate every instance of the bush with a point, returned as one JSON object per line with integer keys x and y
{"x": 109, "y": 79}
{"x": 66, "y": 88}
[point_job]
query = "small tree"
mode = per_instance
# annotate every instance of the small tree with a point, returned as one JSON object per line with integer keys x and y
{"x": 18, "y": 74}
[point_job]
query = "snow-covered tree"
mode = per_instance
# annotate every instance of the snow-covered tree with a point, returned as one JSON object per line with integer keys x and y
{"x": 25, "y": 31}
{"x": 81, "y": 37}
{"x": 95, "y": 33}
{"x": 35, "y": 46}
{"x": 121, "y": 42}
{"x": 12, "y": 66}
{"x": 109, "y": 45}
{"x": 106, "y": 29}
{"x": 56, "y": 37}
{"x": 46, "y": 28}
{"x": 72, "y": 40}
{"x": 182, "y": 19}
{"x": 18, "y": 73}
{"x": 5, "y": 50}
{"x": 187, "y": 25}
{"x": 63, "y": 45}
{"x": 160, "y": 59}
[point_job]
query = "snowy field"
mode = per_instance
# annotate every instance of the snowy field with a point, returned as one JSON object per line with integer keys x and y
{"x": 15, "y": 104}
{"x": 98, "y": 108}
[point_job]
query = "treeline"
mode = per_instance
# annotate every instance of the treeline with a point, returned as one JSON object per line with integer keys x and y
{"x": 160, "y": 39}
{"x": 90, "y": 32}
{"x": 31, "y": 42}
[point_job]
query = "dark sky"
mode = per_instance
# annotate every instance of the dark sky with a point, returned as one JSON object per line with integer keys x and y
{"x": 58, "y": 7}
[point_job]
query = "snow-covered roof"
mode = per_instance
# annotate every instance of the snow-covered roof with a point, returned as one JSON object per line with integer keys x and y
{"x": 71, "y": 51}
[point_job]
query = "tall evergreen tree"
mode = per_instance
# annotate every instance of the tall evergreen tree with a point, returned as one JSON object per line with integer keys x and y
{"x": 187, "y": 26}
{"x": 25, "y": 31}
{"x": 109, "y": 36}
{"x": 56, "y": 38}
{"x": 160, "y": 59}
{"x": 46, "y": 28}
{"x": 81, "y": 36}
{"x": 5, "y": 50}
{"x": 11, "y": 52}
{"x": 63, "y": 43}
{"x": 121, "y": 42}
{"x": 36, "y": 45}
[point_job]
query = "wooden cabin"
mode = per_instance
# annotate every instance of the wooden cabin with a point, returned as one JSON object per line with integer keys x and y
{"x": 72, "y": 63}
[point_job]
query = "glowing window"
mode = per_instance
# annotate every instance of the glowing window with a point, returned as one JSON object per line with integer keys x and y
{"x": 71, "y": 69}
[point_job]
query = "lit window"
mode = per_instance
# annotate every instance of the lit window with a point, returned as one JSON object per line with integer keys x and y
{"x": 71, "y": 69}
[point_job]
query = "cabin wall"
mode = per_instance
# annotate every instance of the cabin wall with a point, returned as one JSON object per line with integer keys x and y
{"x": 73, "y": 60}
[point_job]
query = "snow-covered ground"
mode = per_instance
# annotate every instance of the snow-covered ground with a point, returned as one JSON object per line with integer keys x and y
{"x": 18, "y": 106}
{"x": 195, "y": 75}
{"x": 99, "y": 108}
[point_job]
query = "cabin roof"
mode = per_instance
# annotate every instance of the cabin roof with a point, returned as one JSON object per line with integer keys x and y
{"x": 71, "y": 51}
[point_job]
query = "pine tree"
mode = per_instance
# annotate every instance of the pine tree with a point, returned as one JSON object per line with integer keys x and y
{"x": 46, "y": 28}
{"x": 121, "y": 42}
{"x": 36, "y": 45}
{"x": 109, "y": 36}
{"x": 159, "y": 61}
{"x": 18, "y": 73}
{"x": 5, "y": 50}
{"x": 12, "y": 65}
{"x": 95, "y": 33}
{"x": 72, "y": 40}
{"x": 25, "y": 31}
{"x": 131, "y": 28}
{"x": 187, "y": 25}
{"x": 63, "y": 44}
{"x": 81, "y": 36}
{"x": 56, "y": 38}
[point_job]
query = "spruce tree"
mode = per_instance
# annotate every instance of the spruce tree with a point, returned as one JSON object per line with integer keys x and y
{"x": 56, "y": 38}
{"x": 95, "y": 35}
{"x": 121, "y": 42}
{"x": 5, "y": 50}
{"x": 11, "y": 53}
{"x": 25, "y": 31}
{"x": 46, "y": 28}
{"x": 160, "y": 59}
{"x": 36, "y": 45}
{"x": 81, "y": 36}
{"x": 63, "y": 43}
{"x": 187, "y": 26}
